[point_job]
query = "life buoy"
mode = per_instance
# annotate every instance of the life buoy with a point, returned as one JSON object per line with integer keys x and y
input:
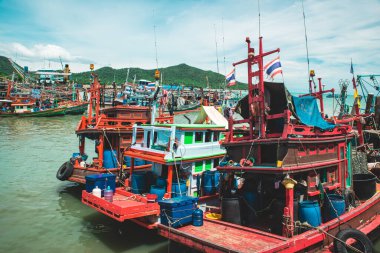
{"x": 361, "y": 240}
{"x": 65, "y": 171}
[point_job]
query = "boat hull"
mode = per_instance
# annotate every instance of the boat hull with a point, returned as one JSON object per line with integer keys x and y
{"x": 45, "y": 113}
{"x": 76, "y": 109}
{"x": 365, "y": 217}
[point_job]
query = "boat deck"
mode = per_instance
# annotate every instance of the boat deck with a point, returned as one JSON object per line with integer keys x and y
{"x": 125, "y": 205}
{"x": 209, "y": 238}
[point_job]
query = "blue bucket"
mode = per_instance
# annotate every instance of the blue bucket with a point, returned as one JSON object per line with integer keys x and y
{"x": 109, "y": 159}
{"x": 138, "y": 182}
{"x": 158, "y": 190}
{"x": 311, "y": 212}
{"x": 210, "y": 182}
{"x": 337, "y": 204}
{"x": 175, "y": 189}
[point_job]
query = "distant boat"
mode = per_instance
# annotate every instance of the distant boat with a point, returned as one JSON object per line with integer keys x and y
{"x": 332, "y": 96}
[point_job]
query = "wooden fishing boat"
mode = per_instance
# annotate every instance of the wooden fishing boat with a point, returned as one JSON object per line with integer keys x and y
{"x": 298, "y": 191}
{"x": 50, "y": 112}
{"x": 76, "y": 108}
{"x": 111, "y": 130}
{"x": 178, "y": 168}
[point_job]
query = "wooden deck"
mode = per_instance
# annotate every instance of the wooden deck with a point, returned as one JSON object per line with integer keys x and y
{"x": 209, "y": 238}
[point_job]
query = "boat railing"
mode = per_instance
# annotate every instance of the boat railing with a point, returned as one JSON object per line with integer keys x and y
{"x": 291, "y": 128}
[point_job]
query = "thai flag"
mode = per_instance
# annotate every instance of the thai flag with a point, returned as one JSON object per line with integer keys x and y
{"x": 273, "y": 67}
{"x": 230, "y": 78}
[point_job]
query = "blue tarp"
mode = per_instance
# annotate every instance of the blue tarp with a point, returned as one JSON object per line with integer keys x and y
{"x": 308, "y": 113}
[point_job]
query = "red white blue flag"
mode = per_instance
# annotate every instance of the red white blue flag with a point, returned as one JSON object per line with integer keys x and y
{"x": 273, "y": 67}
{"x": 230, "y": 78}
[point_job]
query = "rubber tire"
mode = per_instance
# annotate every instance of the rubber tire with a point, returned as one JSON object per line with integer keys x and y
{"x": 359, "y": 236}
{"x": 65, "y": 171}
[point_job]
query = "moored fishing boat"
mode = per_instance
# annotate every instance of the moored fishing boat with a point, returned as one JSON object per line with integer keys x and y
{"x": 182, "y": 158}
{"x": 111, "y": 130}
{"x": 297, "y": 190}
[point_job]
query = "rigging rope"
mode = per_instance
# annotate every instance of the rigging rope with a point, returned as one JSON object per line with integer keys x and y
{"x": 307, "y": 48}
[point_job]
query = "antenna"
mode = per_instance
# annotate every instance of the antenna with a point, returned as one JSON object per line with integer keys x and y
{"x": 216, "y": 50}
{"x": 155, "y": 45}
{"x": 224, "y": 52}
{"x": 258, "y": 5}
{"x": 307, "y": 48}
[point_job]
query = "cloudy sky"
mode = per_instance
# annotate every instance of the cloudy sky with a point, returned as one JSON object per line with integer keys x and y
{"x": 121, "y": 34}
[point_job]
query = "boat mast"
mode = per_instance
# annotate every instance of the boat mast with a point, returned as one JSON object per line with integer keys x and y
{"x": 256, "y": 91}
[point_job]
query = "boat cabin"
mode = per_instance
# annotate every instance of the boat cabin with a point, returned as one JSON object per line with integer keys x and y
{"x": 170, "y": 145}
{"x": 23, "y": 107}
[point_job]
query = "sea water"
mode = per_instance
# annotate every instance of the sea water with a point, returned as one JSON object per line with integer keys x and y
{"x": 39, "y": 213}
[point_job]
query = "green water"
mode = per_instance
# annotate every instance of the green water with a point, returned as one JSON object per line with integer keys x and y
{"x": 39, "y": 213}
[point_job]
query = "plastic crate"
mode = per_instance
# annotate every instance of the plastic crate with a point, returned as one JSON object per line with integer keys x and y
{"x": 100, "y": 180}
{"x": 177, "y": 210}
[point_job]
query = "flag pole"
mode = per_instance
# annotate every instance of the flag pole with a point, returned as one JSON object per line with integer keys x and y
{"x": 357, "y": 106}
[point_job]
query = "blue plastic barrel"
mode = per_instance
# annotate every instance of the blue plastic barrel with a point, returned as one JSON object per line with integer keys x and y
{"x": 198, "y": 217}
{"x": 158, "y": 190}
{"x": 138, "y": 182}
{"x": 138, "y": 162}
{"x": 210, "y": 182}
{"x": 250, "y": 197}
{"x": 176, "y": 189}
{"x": 161, "y": 181}
{"x": 311, "y": 212}
{"x": 109, "y": 159}
{"x": 334, "y": 209}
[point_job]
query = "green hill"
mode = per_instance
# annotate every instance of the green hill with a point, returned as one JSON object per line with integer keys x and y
{"x": 179, "y": 74}
{"x": 6, "y": 68}
{"x": 182, "y": 74}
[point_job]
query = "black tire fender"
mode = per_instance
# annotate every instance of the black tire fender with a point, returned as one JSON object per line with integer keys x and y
{"x": 65, "y": 171}
{"x": 363, "y": 243}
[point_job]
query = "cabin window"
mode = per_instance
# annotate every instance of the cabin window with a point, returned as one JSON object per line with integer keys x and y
{"x": 215, "y": 137}
{"x": 207, "y": 136}
{"x": 188, "y": 137}
{"x": 322, "y": 150}
{"x": 198, "y": 137}
{"x": 216, "y": 162}
{"x": 301, "y": 151}
{"x": 208, "y": 165}
{"x": 312, "y": 150}
{"x": 198, "y": 167}
{"x": 161, "y": 140}
{"x": 331, "y": 148}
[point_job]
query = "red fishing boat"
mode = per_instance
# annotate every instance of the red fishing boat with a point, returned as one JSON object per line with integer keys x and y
{"x": 111, "y": 130}
{"x": 297, "y": 189}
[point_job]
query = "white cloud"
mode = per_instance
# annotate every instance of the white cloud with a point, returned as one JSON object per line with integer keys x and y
{"x": 120, "y": 34}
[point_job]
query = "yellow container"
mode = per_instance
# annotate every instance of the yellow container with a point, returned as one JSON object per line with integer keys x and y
{"x": 213, "y": 216}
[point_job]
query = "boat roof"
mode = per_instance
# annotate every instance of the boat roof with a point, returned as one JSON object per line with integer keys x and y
{"x": 26, "y": 103}
{"x": 188, "y": 126}
{"x": 5, "y": 100}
